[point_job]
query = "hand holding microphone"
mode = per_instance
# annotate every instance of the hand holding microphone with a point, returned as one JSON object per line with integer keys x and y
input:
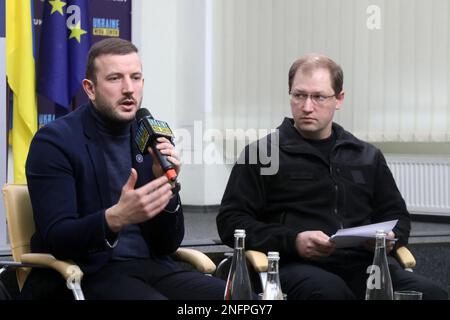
{"x": 166, "y": 149}
{"x": 141, "y": 204}
{"x": 157, "y": 135}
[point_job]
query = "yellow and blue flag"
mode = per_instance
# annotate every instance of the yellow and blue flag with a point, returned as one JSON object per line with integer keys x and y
{"x": 20, "y": 70}
{"x": 65, "y": 42}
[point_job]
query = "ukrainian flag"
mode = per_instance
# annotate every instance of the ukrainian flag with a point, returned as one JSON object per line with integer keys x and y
{"x": 20, "y": 71}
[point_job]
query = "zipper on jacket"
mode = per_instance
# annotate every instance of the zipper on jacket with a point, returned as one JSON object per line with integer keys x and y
{"x": 336, "y": 194}
{"x": 283, "y": 217}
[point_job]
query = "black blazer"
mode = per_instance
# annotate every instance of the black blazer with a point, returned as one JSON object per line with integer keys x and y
{"x": 69, "y": 190}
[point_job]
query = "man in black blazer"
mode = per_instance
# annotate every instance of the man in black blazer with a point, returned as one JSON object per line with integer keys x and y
{"x": 98, "y": 201}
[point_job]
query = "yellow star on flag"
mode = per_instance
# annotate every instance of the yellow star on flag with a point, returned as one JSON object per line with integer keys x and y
{"x": 76, "y": 32}
{"x": 57, "y": 5}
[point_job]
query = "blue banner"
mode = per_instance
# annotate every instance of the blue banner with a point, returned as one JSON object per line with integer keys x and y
{"x": 2, "y": 18}
{"x": 65, "y": 42}
{"x": 107, "y": 18}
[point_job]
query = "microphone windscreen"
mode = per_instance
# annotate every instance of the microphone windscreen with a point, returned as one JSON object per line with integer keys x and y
{"x": 142, "y": 113}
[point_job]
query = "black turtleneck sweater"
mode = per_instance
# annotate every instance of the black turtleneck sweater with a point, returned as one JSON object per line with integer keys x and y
{"x": 324, "y": 146}
{"x": 116, "y": 140}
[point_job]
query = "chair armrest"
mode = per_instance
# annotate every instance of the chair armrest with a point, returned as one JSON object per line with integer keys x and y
{"x": 405, "y": 257}
{"x": 258, "y": 260}
{"x": 198, "y": 259}
{"x": 66, "y": 269}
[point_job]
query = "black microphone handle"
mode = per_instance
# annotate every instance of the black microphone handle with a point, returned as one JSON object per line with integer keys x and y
{"x": 165, "y": 164}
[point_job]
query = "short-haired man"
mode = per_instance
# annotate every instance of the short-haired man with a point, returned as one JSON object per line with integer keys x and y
{"x": 97, "y": 201}
{"x": 327, "y": 180}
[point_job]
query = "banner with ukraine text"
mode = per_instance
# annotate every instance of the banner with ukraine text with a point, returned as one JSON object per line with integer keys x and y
{"x": 20, "y": 71}
{"x": 107, "y": 18}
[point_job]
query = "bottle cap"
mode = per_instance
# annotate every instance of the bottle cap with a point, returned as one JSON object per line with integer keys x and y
{"x": 239, "y": 233}
{"x": 273, "y": 255}
{"x": 380, "y": 233}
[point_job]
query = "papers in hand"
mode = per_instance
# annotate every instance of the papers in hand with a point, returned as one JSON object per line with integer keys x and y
{"x": 353, "y": 237}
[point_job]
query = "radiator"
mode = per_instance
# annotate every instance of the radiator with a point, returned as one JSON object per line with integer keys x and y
{"x": 424, "y": 182}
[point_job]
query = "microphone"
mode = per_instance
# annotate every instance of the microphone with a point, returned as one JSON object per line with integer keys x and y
{"x": 148, "y": 130}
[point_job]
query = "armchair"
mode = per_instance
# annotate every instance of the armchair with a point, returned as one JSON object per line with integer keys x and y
{"x": 19, "y": 216}
{"x": 405, "y": 258}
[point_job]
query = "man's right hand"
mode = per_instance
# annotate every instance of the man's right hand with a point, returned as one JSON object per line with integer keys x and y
{"x": 312, "y": 245}
{"x": 138, "y": 205}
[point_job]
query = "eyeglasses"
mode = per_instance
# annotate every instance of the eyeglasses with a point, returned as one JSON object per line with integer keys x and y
{"x": 301, "y": 97}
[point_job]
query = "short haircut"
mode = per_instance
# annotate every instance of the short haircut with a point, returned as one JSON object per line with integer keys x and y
{"x": 115, "y": 46}
{"x": 312, "y": 61}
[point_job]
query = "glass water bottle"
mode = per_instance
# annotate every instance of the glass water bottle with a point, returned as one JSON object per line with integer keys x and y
{"x": 238, "y": 285}
{"x": 272, "y": 289}
{"x": 379, "y": 284}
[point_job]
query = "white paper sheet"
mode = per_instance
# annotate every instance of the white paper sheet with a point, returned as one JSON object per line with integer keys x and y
{"x": 353, "y": 237}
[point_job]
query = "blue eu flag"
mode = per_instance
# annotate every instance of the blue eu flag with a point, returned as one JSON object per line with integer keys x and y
{"x": 65, "y": 42}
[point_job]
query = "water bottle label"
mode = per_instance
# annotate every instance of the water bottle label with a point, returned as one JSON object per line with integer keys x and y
{"x": 374, "y": 280}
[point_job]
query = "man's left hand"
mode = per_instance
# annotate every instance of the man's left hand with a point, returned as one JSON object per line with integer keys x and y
{"x": 166, "y": 148}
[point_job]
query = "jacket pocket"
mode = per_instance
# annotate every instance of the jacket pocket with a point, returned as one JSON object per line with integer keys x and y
{"x": 358, "y": 176}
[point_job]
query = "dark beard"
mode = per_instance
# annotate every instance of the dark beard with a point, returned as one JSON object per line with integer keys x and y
{"x": 107, "y": 113}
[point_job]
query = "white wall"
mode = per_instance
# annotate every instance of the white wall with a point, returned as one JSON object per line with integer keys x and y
{"x": 219, "y": 64}
{"x": 395, "y": 55}
{"x": 171, "y": 38}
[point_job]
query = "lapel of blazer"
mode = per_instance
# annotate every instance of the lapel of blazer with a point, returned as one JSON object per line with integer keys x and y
{"x": 95, "y": 151}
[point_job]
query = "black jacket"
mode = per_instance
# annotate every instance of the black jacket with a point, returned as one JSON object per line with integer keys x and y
{"x": 69, "y": 189}
{"x": 308, "y": 192}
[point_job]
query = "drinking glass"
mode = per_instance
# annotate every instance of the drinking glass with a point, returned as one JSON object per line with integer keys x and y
{"x": 407, "y": 295}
